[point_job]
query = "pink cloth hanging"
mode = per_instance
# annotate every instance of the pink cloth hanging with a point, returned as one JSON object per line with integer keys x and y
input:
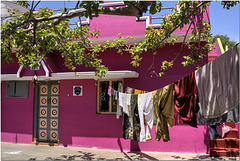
{"x": 222, "y": 129}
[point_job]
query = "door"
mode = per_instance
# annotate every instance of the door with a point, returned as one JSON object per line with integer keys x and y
{"x": 48, "y": 116}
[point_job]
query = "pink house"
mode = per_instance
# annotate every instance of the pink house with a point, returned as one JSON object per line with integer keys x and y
{"x": 67, "y": 110}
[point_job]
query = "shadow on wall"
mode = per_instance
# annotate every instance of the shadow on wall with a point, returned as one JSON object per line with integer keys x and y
{"x": 207, "y": 137}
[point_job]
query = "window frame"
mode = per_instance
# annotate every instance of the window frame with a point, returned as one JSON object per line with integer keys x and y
{"x": 110, "y": 97}
{"x": 15, "y": 86}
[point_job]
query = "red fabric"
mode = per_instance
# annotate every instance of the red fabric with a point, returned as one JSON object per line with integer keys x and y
{"x": 177, "y": 119}
{"x": 186, "y": 100}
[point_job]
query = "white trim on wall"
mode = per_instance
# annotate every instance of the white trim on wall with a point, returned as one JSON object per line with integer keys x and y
{"x": 91, "y": 75}
{"x": 45, "y": 68}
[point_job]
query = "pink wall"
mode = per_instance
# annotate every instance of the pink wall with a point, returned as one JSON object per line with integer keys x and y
{"x": 123, "y": 63}
{"x": 80, "y": 126}
{"x": 110, "y": 25}
{"x": 17, "y": 117}
{"x": 216, "y": 51}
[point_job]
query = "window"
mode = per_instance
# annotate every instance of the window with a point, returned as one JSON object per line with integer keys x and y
{"x": 16, "y": 89}
{"x": 106, "y": 104}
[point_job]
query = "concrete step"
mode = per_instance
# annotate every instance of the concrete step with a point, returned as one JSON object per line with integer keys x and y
{"x": 230, "y": 152}
{"x": 232, "y": 125}
{"x": 233, "y": 133}
{"x": 224, "y": 143}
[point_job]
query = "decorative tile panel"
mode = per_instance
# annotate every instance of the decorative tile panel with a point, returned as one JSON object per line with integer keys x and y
{"x": 42, "y": 134}
{"x": 48, "y": 116}
{"x": 43, "y": 100}
{"x": 54, "y": 123}
{"x": 54, "y": 112}
{"x": 42, "y": 123}
{"x": 53, "y": 135}
{"x": 54, "y": 101}
{"x": 43, "y": 90}
{"x": 55, "y": 90}
{"x": 43, "y": 112}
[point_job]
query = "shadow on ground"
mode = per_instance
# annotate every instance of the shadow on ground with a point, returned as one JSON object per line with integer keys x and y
{"x": 126, "y": 156}
{"x": 90, "y": 156}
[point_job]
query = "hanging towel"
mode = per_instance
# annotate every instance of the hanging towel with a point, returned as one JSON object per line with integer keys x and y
{"x": 162, "y": 100}
{"x": 218, "y": 84}
{"x": 119, "y": 109}
{"x": 185, "y": 96}
{"x": 231, "y": 116}
{"x": 145, "y": 108}
{"x": 124, "y": 102}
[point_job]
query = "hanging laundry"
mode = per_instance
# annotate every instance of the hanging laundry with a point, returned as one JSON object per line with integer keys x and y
{"x": 222, "y": 129}
{"x": 218, "y": 84}
{"x": 145, "y": 108}
{"x": 213, "y": 132}
{"x": 186, "y": 99}
{"x": 136, "y": 91}
{"x": 134, "y": 119}
{"x": 162, "y": 100}
{"x": 119, "y": 109}
{"x": 124, "y": 103}
{"x": 129, "y": 90}
{"x": 110, "y": 91}
{"x": 177, "y": 119}
{"x": 231, "y": 116}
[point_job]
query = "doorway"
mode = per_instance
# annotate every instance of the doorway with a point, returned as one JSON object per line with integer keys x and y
{"x": 48, "y": 112}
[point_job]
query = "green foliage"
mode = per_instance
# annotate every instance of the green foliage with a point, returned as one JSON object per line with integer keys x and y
{"x": 23, "y": 3}
{"x": 92, "y": 7}
{"x": 77, "y": 49}
{"x": 155, "y": 7}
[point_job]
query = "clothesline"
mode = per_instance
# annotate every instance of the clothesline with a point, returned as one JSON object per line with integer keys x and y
{"x": 210, "y": 93}
{"x": 193, "y": 71}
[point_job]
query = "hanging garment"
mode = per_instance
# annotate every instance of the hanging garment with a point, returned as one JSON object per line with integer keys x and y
{"x": 129, "y": 90}
{"x": 124, "y": 102}
{"x": 126, "y": 128}
{"x": 134, "y": 119}
{"x": 136, "y": 91}
{"x": 115, "y": 95}
{"x": 213, "y": 132}
{"x": 231, "y": 116}
{"x": 110, "y": 91}
{"x": 185, "y": 96}
{"x": 177, "y": 119}
{"x": 119, "y": 109}
{"x": 222, "y": 129}
{"x": 162, "y": 100}
{"x": 218, "y": 84}
{"x": 145, "y": 108}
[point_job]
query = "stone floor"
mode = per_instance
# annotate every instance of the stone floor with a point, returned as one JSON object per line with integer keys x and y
{"x": 10, "y": 151}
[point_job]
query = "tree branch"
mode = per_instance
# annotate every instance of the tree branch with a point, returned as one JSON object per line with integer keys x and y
{"x": 57, "y": 18}
{"x": 177, "y": 26}
{"x": 36, "y": 4}
{"x": 38, "y": 26}
{"x": 184, "y": 38}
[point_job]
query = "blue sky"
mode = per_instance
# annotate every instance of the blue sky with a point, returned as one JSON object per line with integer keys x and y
{"x": 223, "y": 21}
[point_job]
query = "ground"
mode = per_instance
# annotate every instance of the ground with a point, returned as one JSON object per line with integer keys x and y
{"x": 10, "y": 151}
